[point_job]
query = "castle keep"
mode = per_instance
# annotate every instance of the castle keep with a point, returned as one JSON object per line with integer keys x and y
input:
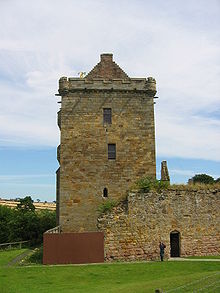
{"x": 107, "y": 141}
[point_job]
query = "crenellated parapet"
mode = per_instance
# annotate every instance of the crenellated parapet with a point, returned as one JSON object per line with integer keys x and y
{"x": 151, "y": 86}
{"x": 107, "y": 76}
{"x": 63, "y": 85}
{"x": 143, "y": 85}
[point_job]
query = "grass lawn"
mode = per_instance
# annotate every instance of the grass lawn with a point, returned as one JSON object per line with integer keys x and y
{"x": 204, "y": 257}
{"x": 7, "y": 255}
{"x": 112, "y": 278}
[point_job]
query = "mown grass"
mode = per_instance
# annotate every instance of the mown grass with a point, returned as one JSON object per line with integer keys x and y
{"x": 7, "y": 255}
{"x": 112, "y": 278}
{"x": 204, "y": 257}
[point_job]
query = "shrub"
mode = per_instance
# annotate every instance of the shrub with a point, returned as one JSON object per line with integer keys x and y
{"x": 108, "y": 205}
{"x": 203, "y": 178}
{"x": 146, "y": 184}
{"x": 36, "y": 257}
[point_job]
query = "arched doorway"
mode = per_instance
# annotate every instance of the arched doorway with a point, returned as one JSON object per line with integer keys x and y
{"x": 175, "y": 244}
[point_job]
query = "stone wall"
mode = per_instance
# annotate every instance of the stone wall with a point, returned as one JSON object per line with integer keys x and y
{"x": 84, "y": 166}
{"x": 133, "y": 230}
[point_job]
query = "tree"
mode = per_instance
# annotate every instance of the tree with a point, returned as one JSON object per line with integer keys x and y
{"x": 24, "y": 226}
{"x": 6, "y": 215}
{"x": 46, "y": 221}
{"x": 24, "y": 223}
{"x": 203, "y": 178}
{"x": 26, "y": 204}
{"x": 217, "y": 180}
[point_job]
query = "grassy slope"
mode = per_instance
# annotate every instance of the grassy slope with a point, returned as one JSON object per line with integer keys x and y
{"x": 7, "y": 255}
{"x": 120, "y": 278}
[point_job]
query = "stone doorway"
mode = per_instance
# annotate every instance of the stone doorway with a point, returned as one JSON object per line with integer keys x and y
{"x": 175, "y": 244}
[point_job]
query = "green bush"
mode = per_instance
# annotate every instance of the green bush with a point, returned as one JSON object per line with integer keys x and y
{"x": 36, "y": 257}
{"x": 203, "y": 178}
{"x": 6, "y": 216}
{"x": 146, "y": 184}
{"x": 108, "y": 205}
{"x": 26, "y": 204}
{"x": 25, "y": 223}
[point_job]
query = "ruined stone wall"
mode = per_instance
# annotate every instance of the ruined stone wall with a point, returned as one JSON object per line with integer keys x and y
{"x": 133, "y": 230}
{"x": 84, "y": 166}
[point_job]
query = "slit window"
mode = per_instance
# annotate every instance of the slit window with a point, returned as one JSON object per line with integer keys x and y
{"x": 111, "y": 151}
{"x": 105, "y": 192}
{"x": 107, "y": 116}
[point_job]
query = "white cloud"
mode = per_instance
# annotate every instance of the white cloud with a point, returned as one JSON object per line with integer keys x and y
{"x": 189, "y": 173}
{"x": 177, "y": 43}
{"x": 21, "y": 177}
{"x": 182, "y": 172}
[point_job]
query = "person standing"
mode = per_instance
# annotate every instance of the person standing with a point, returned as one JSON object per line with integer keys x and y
{"x": 162, "y": 246}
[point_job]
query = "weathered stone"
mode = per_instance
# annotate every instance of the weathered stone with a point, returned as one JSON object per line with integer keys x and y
{"x": 164, "y": 171}
{"x": 134, "y": 228}
{"x": 85, "y": 169}
{"x": 195, "y": 215}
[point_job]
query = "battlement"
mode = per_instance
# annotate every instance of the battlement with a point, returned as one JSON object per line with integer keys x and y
{"x": 107, "y": 76}
{"x": 72, "y": 84}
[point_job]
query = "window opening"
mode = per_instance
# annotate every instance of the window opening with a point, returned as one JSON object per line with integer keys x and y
{"x": 107, "y": 116}
{"x": 105, "y": 192}
{"x": 111, "y": 151}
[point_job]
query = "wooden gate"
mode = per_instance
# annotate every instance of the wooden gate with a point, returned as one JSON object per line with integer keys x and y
{"x": 175, "y": 244}
{"x": 73, "y": 248}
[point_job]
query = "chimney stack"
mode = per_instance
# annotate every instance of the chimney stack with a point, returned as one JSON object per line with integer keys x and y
{"x": 106, "y": 57}
{"x": 164, "y": 172}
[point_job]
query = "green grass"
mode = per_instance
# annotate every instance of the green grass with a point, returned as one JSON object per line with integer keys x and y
{"x": 7, "y": 255}
{"x": 204, "y": 257}
{"x": 109, "y": 278}
{"x": 108, "y": 205}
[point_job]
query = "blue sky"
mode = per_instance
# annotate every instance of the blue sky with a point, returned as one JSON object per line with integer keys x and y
{"x": 176, "y": 42}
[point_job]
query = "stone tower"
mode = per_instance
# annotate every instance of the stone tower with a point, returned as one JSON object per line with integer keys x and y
{"x": 107, "y": 141}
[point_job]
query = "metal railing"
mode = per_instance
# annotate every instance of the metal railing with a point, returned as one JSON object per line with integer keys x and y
{"x": 54, "y": 230}
{"x": 11, "y": 245}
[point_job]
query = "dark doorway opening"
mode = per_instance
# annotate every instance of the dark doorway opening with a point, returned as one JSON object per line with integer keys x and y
{"x": 175, "y": 244}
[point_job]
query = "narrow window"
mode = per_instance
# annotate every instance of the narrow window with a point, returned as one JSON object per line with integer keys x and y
{"x": 111, "y": 151}
{"x": 107, "y": 116}
{"x": 105, "y": 192}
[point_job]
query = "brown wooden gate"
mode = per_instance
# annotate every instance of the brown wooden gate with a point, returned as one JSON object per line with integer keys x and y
{"x": 73, "y": 248}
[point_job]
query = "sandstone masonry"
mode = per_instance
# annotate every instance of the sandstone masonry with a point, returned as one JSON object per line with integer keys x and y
{"x": 187, "y": 221}
{"x": 107, "y": 141}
